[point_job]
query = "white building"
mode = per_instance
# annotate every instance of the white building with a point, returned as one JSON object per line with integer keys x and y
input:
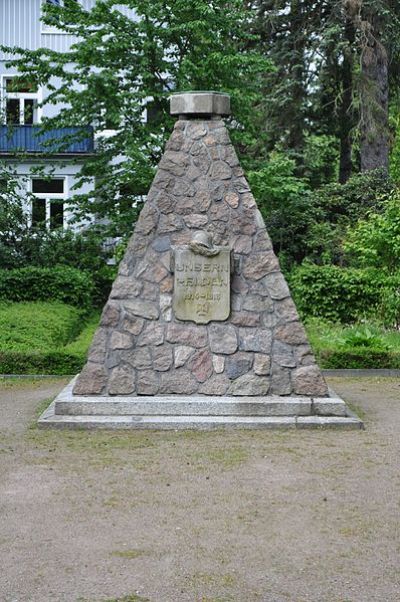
{"x": 20, "y": 25}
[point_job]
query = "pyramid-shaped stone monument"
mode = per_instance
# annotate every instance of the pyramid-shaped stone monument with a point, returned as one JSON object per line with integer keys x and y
{"x": 200, "y": 329}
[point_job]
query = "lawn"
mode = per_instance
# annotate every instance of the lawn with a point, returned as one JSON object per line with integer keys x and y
{"x": 44, "y": 337}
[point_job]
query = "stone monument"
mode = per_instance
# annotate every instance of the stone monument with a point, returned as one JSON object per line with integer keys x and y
{"x": 200, "y": 330}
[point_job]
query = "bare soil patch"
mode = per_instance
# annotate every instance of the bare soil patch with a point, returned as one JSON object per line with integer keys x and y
{"x": 298, "y": 516}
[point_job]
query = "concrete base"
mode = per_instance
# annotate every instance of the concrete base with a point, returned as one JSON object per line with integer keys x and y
{"x": 196, "y": 412}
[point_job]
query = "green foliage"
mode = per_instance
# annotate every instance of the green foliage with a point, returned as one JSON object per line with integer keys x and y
{"x": 284, "y": 202}
{"x": 363, "y": 336}
{"x": 123, "y": 65}
{"x": 319, "y": 160}
{"x": 361, "y": 346}
{"x": 312, "y": 224}
{"x": 37, "y": 326}
{"x": 394, "y": 121}
{"x": 375, "y": 240}
{"x": 336, "y": 207}
{"x": 42, "y": 338}
{"x": 344, "y": 295}
{"x": 62, "y": 283}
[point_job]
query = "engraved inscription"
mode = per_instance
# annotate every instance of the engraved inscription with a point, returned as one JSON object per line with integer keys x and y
{"x": 202, "y": 285}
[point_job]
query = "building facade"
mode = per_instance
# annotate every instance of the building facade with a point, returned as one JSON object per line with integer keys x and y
{"x": 21, "y": 144}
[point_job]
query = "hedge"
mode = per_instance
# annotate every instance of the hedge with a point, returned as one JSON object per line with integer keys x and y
{"x": 345, "y": 294}
{"x": 358, "y": 358}
{"x": 52, "y": 362}
{"x": 61, "y": 283}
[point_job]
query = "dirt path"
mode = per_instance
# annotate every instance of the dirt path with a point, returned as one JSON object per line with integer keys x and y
{"x": 201, "y": 517}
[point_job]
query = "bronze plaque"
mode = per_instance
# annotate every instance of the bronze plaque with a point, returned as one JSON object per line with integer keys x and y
{"x": 202, "y": 285}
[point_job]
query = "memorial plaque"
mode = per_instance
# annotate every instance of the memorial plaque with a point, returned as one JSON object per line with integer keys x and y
{"x": 202, "y": 285}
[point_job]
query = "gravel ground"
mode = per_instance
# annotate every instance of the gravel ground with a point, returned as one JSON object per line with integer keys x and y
{"x": 200, "y": 517}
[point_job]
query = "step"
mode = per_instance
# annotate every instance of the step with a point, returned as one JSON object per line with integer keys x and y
{"x": 156, "y": 422}
{"x": 175, "y": 406}
{"x": 67, "y": 404}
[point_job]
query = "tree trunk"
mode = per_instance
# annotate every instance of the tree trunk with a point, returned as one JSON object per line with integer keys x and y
{"x": 374, "y": 147}
{"x": 346, "y": 112}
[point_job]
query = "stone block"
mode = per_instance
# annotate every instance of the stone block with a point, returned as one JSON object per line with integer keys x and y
{"x": 147, "y": 382}
{"x": 91, "y": 381}
{"x": 120, "y": 340}
{"x": 276, "y": 285}
{"x": 218, "y": 362}
{"x": 200, "y": 365}
{"x": 238, "y": 364}
{"x": 255, "y": 339}
{"x": 329, "y": 406}
{"x": 223, "y": 338}
{"x": 282, "y": 354}
{"x": 216, "y": 385}
{"x": 132, "y": 324}
{"x": 245, "y": 318}
{"x": 153, "y": 334}
{"x": 97, "y": 351}
{"x": 162, "y": 358}
{"x": 262, "y": 364}
{"x": 259, "y": 265}
{"x": 257, "y": 303}
{"x": 121, "y": 381}
{"x": 138, "y": 358}
{"x": 182, "y": 354}
{"x": 307, "y": 380}
{"x": 249, "y": 384}
{"x": 179, "y": 382}
{"x": 232, "y": 198}
{"x": 141, "y": 308}
{"x": 185, "y": 334}
{"x": 110, "y": 315}
{"x": 280, "y": 380}
{"x": 292, "y": 333}
{"x": 200, "y": 103}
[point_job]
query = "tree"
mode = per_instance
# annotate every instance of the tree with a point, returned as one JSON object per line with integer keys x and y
{"x": 334, "y": 61}
{"x": 121, "y": 66}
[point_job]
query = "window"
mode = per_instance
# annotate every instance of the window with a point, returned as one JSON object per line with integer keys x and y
{"x": 21, "y": 100}
{"x": 54, "y": 186}
{"x": 52, "y": 18}
{"x": 48, "y": 208}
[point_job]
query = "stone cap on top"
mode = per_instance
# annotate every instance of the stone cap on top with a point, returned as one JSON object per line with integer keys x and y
{"x": 200, "y": 104}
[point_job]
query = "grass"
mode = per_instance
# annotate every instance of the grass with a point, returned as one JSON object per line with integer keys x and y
{"x": 44, "y": 338}
{"x": 29, "y": 382}
{"x": 36, "y": 326}
{"x": 129, "y": 554}
{"x": 82, "y": 342}
{"x": 364, "y": 345}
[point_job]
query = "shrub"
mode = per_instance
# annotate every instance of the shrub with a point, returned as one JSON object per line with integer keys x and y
{"x": 367, "y": 345}
{"x": 62, "y": 283}
{"x": 375, "y": 240}
{"x": 366, "y": 358}
{"x": 345, "y": 294}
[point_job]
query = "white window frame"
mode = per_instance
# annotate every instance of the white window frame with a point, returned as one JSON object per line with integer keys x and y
{"x": 38, "y": 96}
{"x": 50, "y": 196}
